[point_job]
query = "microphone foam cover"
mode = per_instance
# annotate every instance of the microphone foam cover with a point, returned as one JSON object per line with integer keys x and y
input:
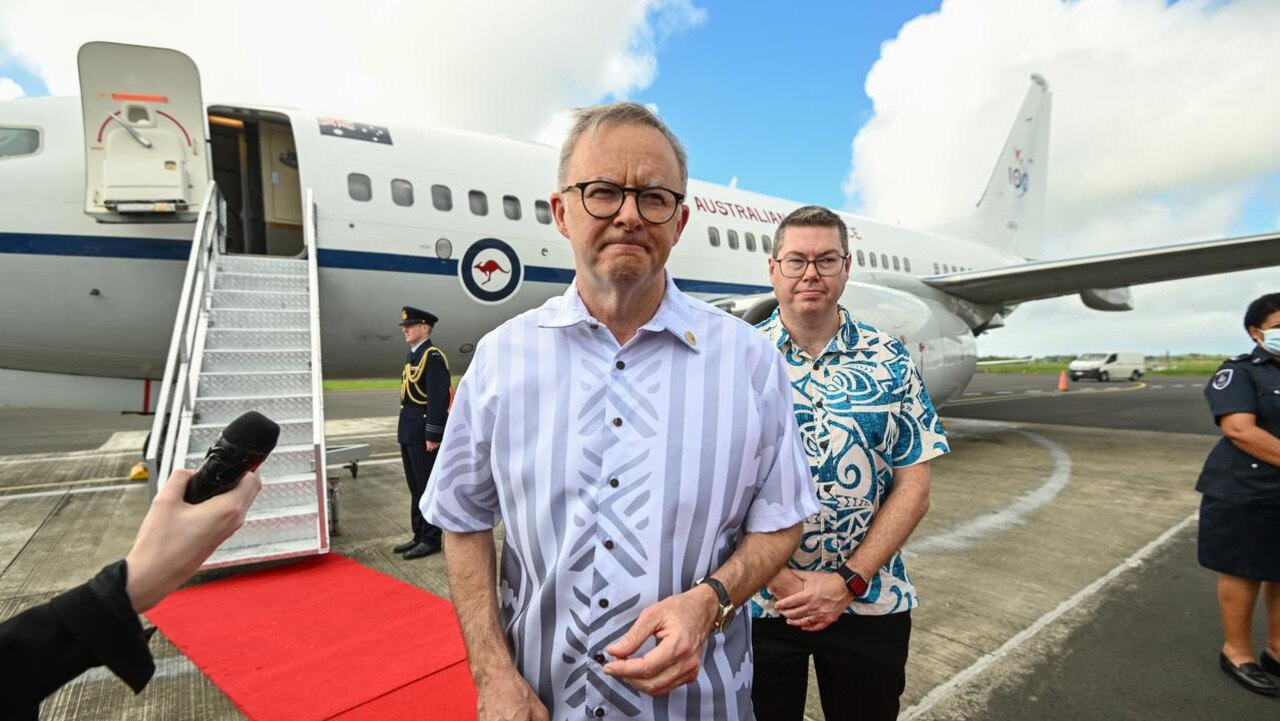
{"x": 254, "y": 432}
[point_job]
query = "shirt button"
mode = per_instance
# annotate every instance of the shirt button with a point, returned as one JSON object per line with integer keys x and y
{"x": 818, "y": 403}
{"x": 613, "y": 482}
{"x": 822, "y": 444}
{"x": 604, "y": 603}
{"x": 1253, "y": 465}
{"x": 617, "y": 421}
{"x": 608, "y": 545}
{"x": 619, "y": 365}
{"x": 600, "y": 712}
{"x": 599, "y": 657}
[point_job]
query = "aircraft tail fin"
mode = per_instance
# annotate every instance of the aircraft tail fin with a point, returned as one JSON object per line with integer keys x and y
{"x": 1010, "y": 214}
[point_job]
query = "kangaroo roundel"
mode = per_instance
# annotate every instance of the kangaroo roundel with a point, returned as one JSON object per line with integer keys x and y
{"x": 490, "y": 271}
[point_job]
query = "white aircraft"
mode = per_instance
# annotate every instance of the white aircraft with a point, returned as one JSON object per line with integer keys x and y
{"x": 92, "y": 239}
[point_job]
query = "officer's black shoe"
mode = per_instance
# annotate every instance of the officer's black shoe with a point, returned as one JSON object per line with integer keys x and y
{"x": 1249, "y": 675}
{"x": 405, "y": 546}
{"x": 1269, "y": 664}
{"x": 422, "y": 550}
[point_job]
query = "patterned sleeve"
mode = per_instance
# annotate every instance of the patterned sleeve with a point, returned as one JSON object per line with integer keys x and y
{"x": 786, "y": 495}
{"x": 461, "y": 494}
{"x": 919, "y": 431}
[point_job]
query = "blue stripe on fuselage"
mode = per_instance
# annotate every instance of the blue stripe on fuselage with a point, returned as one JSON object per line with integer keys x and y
{"x": 97, "y": 246}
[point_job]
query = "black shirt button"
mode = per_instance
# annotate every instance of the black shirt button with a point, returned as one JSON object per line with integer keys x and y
{"x": 818, "y": 403}
{"x": 619, "y": 365}
{"x": 823, "y": 444}
{"x": 600, "y": 712}
{"x": 599, "y": 657}
{"x": 604, "y": 603}
{"x": 613, "y": 482}
{"x": 617, "y": 421}
{"x": 608, "y": 545}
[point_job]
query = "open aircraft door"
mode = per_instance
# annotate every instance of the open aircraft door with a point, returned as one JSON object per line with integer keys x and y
{"x": 144, "y": 134}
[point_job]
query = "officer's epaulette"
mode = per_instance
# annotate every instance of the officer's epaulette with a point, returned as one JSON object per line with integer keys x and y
{"x": 1238, "y": 358}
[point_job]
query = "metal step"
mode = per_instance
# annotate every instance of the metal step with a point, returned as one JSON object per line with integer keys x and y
{"x": 262, "y": 264}
{"x": 256, "y": 338}
{"x": 260, "y": 281}
{"x": 288, "y": 359}
{"x": 293, "y": 431}
{"x": 265, "y": 552}
{"x": 226, "y": 409}
{"x": 294, "y": 523}
{"x": 251, "y": 318}
{"x": 253, "y": 383}
{"x": 260, "y": 299}
{"x": 283, "y": 461}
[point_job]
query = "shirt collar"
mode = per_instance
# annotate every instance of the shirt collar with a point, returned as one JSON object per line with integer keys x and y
{"x": 1260, "y": 356}
{"x": 421, "y": 343}
{"x": 674, "y": 314}
{"x": 846, "y": 340}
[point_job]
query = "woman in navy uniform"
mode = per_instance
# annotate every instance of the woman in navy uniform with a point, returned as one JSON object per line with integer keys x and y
{"x": 1240, "y": 511}
{"x": 424, "y": 407}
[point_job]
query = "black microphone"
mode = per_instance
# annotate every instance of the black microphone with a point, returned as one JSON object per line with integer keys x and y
{"x": 241, "y": 447}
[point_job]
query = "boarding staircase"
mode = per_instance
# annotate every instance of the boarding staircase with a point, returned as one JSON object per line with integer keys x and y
{"x": 246, "y": 337}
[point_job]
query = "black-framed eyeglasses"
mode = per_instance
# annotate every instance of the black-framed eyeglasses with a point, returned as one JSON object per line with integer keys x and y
{"x": 827, "y": 265}
{"x": 603, "y": 199}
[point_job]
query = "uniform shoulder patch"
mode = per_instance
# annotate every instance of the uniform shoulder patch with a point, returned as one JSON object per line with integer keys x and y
{"x": 1222, "y": 378}
{"x": 1238, "y": 358}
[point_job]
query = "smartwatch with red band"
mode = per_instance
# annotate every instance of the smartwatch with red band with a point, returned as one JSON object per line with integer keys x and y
{"x": 856, "y": 584}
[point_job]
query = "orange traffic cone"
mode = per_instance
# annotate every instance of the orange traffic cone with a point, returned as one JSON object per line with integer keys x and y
{"x": 1062, "y": 381}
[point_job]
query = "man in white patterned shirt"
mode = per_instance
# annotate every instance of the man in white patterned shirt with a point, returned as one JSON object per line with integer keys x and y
{"x": 869, "y": 430}
{"x": 640, "y": 449}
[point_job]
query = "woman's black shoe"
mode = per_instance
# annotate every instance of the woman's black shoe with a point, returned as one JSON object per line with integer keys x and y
{"x": 1269, "y": 664}
{"x": 1250, "y": 676}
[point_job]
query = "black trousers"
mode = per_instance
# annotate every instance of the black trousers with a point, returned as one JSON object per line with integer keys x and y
{"x": 417, "y": 469}
{"x": 860, "y": 663}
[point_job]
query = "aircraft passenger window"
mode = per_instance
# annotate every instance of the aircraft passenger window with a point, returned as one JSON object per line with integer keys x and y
{"x": 18, "y": 141}
{"x": 896, "y": 265}
{"x": 511, "y": 207}
{"x": 751, "y": 241}
{"x": 906, "y": 264}
{"x": 442, "y": 197}
{"x": 862, "y": 259}
{"x": 402, "y": 192}
{"x": 479, "y": 202}
{"x": 766, "y": 244}
{"x": 542, "y": 209}
{"x": 733, "y": 240}
{"x": 873, "y": 259}
{"x": 359, "y": 187}
{"x": 714, "y": 236}
{"x": 935, "y": 269}
{"x": 884, "y": 261}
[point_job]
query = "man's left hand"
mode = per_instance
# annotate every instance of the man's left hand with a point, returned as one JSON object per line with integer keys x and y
{"x": 818, "y": 604}
{"x": 433, "y": 446}
{"x": 681, "y": 624}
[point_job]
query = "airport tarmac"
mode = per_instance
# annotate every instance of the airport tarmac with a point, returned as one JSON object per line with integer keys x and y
{"x": 1056, "y": 565}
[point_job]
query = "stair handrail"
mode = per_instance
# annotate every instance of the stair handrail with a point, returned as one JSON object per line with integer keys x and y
{"x": 176, "y": 393}
{"x": 317, "y": 374}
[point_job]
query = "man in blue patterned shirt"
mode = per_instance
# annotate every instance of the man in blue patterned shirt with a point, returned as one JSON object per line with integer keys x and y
{"x": 869, "y": 431}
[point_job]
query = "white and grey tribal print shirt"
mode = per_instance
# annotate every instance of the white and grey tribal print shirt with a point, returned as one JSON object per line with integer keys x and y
{"x": 623, "y": 475}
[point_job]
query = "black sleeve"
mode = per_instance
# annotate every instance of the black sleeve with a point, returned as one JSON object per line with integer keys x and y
{"x": 44, "y": 647}
{"x": 1231, "y": 390}
{"x": 437, "y": 382}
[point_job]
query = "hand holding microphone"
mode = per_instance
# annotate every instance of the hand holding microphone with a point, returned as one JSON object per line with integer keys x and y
{"x": 241, "y": 447}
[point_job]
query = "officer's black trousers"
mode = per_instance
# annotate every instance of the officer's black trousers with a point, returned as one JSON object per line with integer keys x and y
{"x": 860, "y": 662}
{"x": 417, "y": 469}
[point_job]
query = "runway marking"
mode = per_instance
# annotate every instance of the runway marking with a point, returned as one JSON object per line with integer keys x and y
{"x": 63, "y": 491}
{"x": 1140, "y": 385}
{"x": 939, "y": 692}
{"x": 969, "y": 532}
{"x": 38, "y": 457}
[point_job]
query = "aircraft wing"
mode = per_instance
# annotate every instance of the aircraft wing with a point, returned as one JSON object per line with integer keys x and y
{"x": 1051, "y": 278}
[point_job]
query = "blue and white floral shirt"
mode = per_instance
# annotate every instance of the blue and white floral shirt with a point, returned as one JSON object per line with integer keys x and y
{"x": 863, "y": 411}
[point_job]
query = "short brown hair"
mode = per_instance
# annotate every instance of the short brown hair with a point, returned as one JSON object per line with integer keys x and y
{"x": 589, "y": 119}
{"x": 811, "y": 216}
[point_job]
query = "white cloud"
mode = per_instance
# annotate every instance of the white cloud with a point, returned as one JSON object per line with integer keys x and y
{"x": 10, "y": 90}
{"x": 1156, "y": 137}
{"x": 503, "y": 66}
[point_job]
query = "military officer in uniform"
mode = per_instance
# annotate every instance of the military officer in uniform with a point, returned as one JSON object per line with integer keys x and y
{"x": 424, "y": 407}
{"x": 1240, "y": 512}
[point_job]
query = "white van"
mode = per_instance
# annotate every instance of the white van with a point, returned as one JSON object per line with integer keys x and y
{"x": 1105, "y": 366}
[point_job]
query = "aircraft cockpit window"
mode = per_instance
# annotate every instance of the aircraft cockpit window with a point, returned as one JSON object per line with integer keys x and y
{"x": 751, "y": 241}
{"x": 479, "y": 202}
{"x": 542, "y": 210}
{"x": 766, "y": 244}
{"x": 862, "y": 259}
{"x": 713, "y": 235}
{"x": 733, "y": 240}
{"x": 873, "y": 259}
{"x": 906, "y": 264}
{"x": 442, "y": 197}
{"x": 402, "y": 192}
{"x": 896, "y": 264}
{"x": 18, "y": 141}
{"x": 359, "y": 187}
{"x": 511, "y": 207}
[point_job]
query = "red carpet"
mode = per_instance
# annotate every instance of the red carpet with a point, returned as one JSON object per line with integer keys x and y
{"x": 324, "y": 638}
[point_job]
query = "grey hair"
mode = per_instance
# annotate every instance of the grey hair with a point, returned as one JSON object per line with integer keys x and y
{"x": 589, "y": 120}
{"x": 811, "y": 216}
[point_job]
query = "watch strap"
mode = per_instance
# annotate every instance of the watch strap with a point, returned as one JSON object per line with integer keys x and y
{"x": 725, "y": 614}
{"x": 853, "y": 581}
